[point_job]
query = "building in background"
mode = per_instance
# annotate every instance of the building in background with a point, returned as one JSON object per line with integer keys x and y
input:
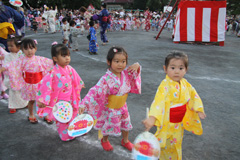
{"x": 117, "y": 4}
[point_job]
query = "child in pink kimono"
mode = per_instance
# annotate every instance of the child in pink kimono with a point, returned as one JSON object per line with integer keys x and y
{"x": 3, "y": 88}
{"x": 26, "y": 72}
{"x": 106, "y": 101}
{"x": 62, "y": 83}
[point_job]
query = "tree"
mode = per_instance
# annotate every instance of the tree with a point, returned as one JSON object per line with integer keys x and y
{"x": 233, "y": 7}
{"x": 140, "y": 4}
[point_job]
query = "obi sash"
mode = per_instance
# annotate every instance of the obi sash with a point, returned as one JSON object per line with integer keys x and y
{"x": 104, "y": 18}
{"x": 44, "y": 23}
{"x": 32, "y": 77}
{"x": 116, "y": 102}
{"x": 177, "y": 113}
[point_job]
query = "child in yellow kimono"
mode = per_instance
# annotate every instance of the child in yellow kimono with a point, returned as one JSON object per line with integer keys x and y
{"x": 176, "y": 107}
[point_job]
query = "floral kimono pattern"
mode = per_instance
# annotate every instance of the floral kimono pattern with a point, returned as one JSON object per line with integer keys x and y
{"x": 60, "y": 84}
{"x": 93, "y": 40}
{"x": 169, "y": 135}
{"x": 26, "y": 64}
{"x": 111, "y": 121}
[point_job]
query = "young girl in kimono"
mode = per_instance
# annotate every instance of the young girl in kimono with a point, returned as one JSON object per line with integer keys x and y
{"x": 106, "y": 101}
{"x": 176, "y": 107}
{"x": 62, "y": 83}
{"x": 26, "y": 72}
{"x": 15, "y": 100}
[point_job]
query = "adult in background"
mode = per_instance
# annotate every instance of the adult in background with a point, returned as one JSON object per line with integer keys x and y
{"x": 103, "y": 21}
{"x": 10, "y": 21}
{"x": 86, "y": 15}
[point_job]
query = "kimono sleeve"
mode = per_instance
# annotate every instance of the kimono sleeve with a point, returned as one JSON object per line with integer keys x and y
{"x": 94, "y": 101}
{"x": 135, "y": 81}
{"x": 158, "y": 106}
{"x": 46, "y": 64}
{"x": 191, "y": 120}
{"x": 14, "y": 69}
{"x": 45, "y": 89}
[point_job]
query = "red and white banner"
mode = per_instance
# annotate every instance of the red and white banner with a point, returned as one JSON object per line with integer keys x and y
{"x": 202, "y": 21}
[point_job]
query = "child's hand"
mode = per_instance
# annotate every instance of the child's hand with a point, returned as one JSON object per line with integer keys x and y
{"x": 40, "y": 104}
{"x": 134, "y": 67}
{"x": 201, "y": 115}
{"x": 80, "y": 111}
{"x": 149, "y": 122}
{"x": 2, "y": 69}
{"x": 1, "y": 57}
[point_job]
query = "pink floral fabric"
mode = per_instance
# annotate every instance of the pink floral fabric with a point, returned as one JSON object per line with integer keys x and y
{"x": 60, "y": 84}
{"x": 25, "y": 64}
{"x": 111, "y": 121}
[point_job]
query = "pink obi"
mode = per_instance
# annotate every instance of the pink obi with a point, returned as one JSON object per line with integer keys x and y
{"x": 177, "y": 113}
{"x": 32, "y": 77}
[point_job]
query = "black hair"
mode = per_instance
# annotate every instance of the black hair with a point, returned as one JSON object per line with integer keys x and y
{"x": 59, "y": 49}
{"x": 103, "y": 5}
{"x": 28, "y": 43}
{"x": 16, "y": 39}
{"x": 116, "y": 50}
{"x": 64, "y": 19}
{"x": 72, "y": 23}
{"x": 91, "y": 23}
{"x": 177, "y": 55}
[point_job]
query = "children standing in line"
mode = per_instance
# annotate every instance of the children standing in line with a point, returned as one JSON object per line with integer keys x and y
{"x": 15, "y": 100}
{"x": 176, "y": 107}
{"x": 62, "y": 83}
{"x": 106, "y": 101}
{"x": 26, "y": 72}
{"x": 75, "y": 32}
{"x": 93, "y": 39}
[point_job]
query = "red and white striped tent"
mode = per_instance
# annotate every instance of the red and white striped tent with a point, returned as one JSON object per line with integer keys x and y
{"x": 90, "y": 7}
{"x": 200, "y": 21}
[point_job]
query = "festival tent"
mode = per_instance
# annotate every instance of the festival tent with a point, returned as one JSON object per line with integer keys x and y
{"x": 200, "y": 21}
{"x": 90, "y": 7}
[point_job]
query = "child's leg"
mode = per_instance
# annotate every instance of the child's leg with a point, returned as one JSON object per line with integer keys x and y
{"x": 125, "y": 142}
{"x": 31, "y": 117}
{"x": 106, "y": 144}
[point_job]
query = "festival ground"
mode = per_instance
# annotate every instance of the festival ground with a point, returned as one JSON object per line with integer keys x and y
{"x": 214, "y": 71}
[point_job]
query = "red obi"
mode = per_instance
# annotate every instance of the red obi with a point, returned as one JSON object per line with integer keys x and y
{"x": 32, "y": 77}
{"x": 177, "y": 114}
{"x": 44, "y": 23}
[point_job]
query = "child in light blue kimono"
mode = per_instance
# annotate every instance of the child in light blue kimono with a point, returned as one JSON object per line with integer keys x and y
{"x": 93, "y": 39}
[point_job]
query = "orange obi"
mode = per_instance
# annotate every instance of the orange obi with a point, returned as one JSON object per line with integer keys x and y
{"x": 177, "y": 113}
{"x": 116, "y": 102}
{"x": 32, "y": 77}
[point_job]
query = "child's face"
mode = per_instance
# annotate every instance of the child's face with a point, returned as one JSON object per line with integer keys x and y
{"x": 29, "y": 52}
{"x": 176, "y": 69}
{"x": 62, "y": 60}
{"x": 119, "y": 63}
{"x": 65, "y": 22}
{"x": 12, "y": 47}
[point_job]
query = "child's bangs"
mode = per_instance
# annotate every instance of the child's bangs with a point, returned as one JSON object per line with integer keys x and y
{"x": 64, "y": 51}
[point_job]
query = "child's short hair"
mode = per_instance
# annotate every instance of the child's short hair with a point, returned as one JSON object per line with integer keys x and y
{"x": 116, "y": 50}
{"x": 177, "y": 55}
{"x": 14, "y": 38}
{"x": 64, "y": 19}
{"x": 91, "y": 23}
{"x": 28, "y": 43}
{"x": 59, "y": 49}
{"x": 72, "y": 23}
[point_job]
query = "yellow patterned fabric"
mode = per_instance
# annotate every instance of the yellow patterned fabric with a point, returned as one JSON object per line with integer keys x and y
{"x": 6, "y": 29}
{"x": 116, "y": 102}
{"x": 170, "y": 94}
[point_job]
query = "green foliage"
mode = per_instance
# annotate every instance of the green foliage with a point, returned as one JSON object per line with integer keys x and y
{"x": 140, "y": 4}
{"x": 233, "y": 7}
